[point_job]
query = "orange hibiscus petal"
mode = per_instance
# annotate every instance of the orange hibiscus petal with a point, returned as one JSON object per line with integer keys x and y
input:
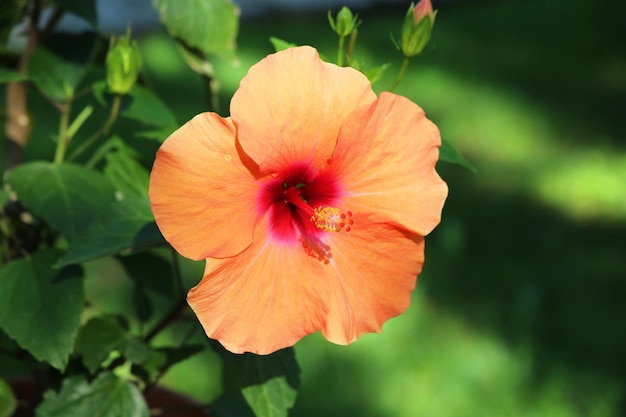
{"x": 202, "y": 194}
{"x": 371, "y": 274}
{"x": 385, "y": 157}
{"x": 290, "y": 107}
{"x": 263, "y": 300}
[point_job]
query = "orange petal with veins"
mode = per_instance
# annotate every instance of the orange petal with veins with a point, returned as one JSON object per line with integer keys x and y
{"x": 386, "y": 158}
{"x": 290, "y": 107}
{"x": 202, "y": 190}
{"x": 262, "y": 300}
{"x": 372, "y": 271}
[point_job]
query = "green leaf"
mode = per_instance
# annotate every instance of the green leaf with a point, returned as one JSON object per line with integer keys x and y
{"x": 127, "y": 226}
{"x": 268, "y": 384}
{"x": 208, "y": 25}
{"x": 142, "y": 304}
{"x": 162, "y": 359}
{"x": 8, "y": 403}
{"x": 106, "y": 396}
{"x": 158, "y": 134}
{"x": 281, "y": 45}
{"x": 448, "y": 153}
{"x": 7, "y": 76}
{"x": 68, "y": 197}
{"x": 146, "y": 107}
{"x": 55, "y": 77}
{"x": 4, "y": 198}
{"x": 126, "y": 174}
{"x": 375, "y": 74}
{"x": 141, "y": 105}
{"x": 40, "y": 307}
{"x": 83, "y": 8}
{"x": 150, "y": 272}
{"x": 103, "y": 335}
{"x": 196, "y": 60}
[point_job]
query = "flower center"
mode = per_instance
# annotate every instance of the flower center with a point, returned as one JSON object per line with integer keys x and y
{"x": 301, "y": 206}
{"x": 329, "y": 219}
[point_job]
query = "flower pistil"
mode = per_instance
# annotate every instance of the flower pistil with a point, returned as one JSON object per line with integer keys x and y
{"x": 329, "y": 219}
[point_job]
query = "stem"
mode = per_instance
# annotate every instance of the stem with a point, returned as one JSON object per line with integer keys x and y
{"x": 405, "y": 65}
{"x": 340, "y": 51}
{"x": 178, "y": 277}
{"x": 63, "y": 139}
{"x": 165, "y": 321}
{"x": 115, "y": 109}
{"x": 78, "y": 121}
{"x": 210, "y": 93}
{"x": 351, "y": 44}
{"x": 178, "y": 307}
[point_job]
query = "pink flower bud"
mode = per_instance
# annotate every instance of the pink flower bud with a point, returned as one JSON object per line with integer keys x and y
{"x": 422, "y": 9}
{"x": 418, "y": 24}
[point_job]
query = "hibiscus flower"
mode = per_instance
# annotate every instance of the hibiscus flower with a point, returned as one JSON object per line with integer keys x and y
{"x": 309, "y": 203}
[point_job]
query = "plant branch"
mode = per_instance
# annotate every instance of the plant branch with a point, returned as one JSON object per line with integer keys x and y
{"x": 104, "y": 129}
{"x": 18, "y": 122}
{"x": 63, "y": 138}
{"x": 178, "y": 276}
{"x": 405, "y": 65}
{"x": 351, "y": 44}
{"x": 180, "y": 305}
{"x": 340, "y": 50}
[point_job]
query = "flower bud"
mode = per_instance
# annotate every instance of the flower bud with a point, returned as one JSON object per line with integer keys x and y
{"x": 417, "y": 27}
{"x": 123, "y": 64}
{"x": 346, "y": 22}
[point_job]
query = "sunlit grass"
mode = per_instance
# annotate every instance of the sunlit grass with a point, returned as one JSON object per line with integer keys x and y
{"x": 518, "y": 146}
{"x": 425, "y": 362}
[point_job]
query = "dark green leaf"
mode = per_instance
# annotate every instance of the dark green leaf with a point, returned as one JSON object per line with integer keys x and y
{"x": 144, "y": 106}
{"x": 68, "y": 197}
{"x": 55, "y": 77}
{"x": 209, "y": 25}
{"x": 269, "y": 384}
{"x": 142, "y": 303}
{"x": 103, "y": 335}
{"x": 8, "y": 403}
{"x": 127, "y": 175}
{"x": 141, "y": 105}
{"x": 448, "y": 153}
{"x": 150, "y": 272}
{"x": 7, "y": 76}
{"x": 162, "y": 359}
{"x": 40, "y": 310}
{"x": 106, "y": 396}
{"x": 127, "y": 226}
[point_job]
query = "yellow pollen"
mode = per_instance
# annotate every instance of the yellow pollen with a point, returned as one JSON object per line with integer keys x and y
{"x": 332, "y": 219}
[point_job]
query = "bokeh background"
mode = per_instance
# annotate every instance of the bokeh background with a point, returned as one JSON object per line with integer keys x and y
{"x": 521, "y": 308}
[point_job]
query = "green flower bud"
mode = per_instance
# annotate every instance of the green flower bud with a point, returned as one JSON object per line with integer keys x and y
{"x": 417, "y": 27}
{"x": 123, "y": 64}
{"x": 346, "y": 22}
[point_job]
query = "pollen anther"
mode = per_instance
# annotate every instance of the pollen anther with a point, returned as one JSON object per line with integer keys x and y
{"x": 332, "y": 219}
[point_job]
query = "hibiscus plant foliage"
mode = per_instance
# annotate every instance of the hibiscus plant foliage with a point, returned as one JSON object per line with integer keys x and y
{"x": 88, "y": 199}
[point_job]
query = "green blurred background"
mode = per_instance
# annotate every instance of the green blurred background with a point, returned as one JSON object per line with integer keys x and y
{"x": 520, "y": 309}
